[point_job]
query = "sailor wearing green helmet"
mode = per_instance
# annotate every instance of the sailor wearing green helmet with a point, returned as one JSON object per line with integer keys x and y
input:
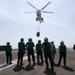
{"x": 21, "y": 51}
{"x": 30, "y": 50}
{"x": 62, "y": 52}
{"x": 39, "y": 51}
{"x": 47, "y": 53}
{"x": 8, "y": 50}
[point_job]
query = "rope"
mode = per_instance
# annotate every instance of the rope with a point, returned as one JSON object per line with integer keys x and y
{"x": 38, "y": 30}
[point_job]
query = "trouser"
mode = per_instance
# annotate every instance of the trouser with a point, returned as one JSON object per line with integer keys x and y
{"x": 53, "y": 55}
{"x": 20, "y": 58}
{"x": 39, "y": 55}
{"x": 62, "y": 55}
{"x": 8, "y": 57}
{"x": 30, "y": 52}
{"x": 48, "y": 56}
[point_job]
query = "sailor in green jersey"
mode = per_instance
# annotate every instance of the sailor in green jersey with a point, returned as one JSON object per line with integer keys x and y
{"x": 39, "y": 51}
{"x": 47, "y": 53}
{"x": 21, "y": 51}
{"x": 62, "y": 51}
{"x": 8, "y": 50}
{"x": 30, "y": 51}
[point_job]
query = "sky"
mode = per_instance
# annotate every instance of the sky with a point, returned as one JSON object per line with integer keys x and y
{"x": 15, "y": 24}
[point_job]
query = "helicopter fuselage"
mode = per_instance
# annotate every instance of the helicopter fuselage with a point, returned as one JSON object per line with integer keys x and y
{"x": 38, "y": 12}
{"x": 39, "y": 17}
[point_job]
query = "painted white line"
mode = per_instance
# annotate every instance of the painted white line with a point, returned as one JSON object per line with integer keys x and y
{"x": 5, "y": 66}
{"x": 2, "y": 52}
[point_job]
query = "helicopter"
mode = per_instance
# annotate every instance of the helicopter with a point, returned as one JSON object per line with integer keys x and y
{"x": 38, "y": 12}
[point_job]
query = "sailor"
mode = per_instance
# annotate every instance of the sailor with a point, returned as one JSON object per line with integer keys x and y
{"x": 30, "y": 50}
{"x": 62, "y": 52}
{"x": 53, "y": 50}
{"x": 39, "y": 51}
{"x": 8, "y": 50}
{"x": 47, "y": 53}
{"x": 21, "y": 51}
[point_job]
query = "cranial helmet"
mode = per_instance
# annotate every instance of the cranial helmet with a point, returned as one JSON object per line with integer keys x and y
{"x": 8, "y": 43}
{"x": 22, "y": 39}
{"x": 52, "y": 42}
{"x": 39, "y": 41}
{"x": 62, "y": 42}
{"x": 30, "y": 39}
{"x": 45, "y": 39}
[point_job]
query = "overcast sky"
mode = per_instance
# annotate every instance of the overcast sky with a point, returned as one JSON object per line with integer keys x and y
{"x": 15, "y": 24}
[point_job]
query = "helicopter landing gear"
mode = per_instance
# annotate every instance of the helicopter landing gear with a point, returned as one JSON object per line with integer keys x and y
{"x": 42, "y": 19}
{"x": 36, "y": 19}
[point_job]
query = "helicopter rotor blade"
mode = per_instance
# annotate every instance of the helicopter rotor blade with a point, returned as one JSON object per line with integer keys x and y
{"x": 30, "y": 12}
{"x": 46, "y": 5}
{"x": 32, "y": 5}
{"x": 47, "y": 12}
